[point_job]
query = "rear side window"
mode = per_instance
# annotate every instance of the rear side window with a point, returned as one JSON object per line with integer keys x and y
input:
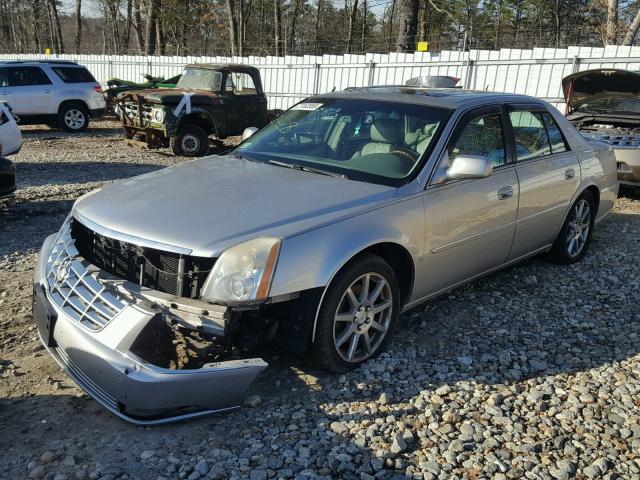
{"x": 74, "y": 75}
{"x": 240, "y": 83}
{"x": 558, "y": 143}
{"x": 530, "y": 135}
{"x": 26, "y": 76}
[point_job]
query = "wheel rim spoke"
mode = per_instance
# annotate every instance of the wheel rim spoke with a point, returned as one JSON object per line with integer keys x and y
{"x": 355, "y": 339}
{"x": 382, "y": 307}
{"x": 352, "y": 298}
{"x": 348, "y": 332}
{"x": 376, "y": 293}
{"x": 364, "y": 292}
{"x": 367, "y": 342}
{"x": 378, "y": 327}
{"x": 344, "y": 317}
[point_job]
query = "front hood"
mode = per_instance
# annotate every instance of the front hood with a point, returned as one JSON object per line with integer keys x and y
{"x": 209, "y": 204}
{"x": 173, "y": 96}
{"x": 582, "y": 87}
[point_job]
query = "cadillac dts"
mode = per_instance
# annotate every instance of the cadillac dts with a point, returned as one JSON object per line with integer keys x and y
{"x": 315, "y": 233}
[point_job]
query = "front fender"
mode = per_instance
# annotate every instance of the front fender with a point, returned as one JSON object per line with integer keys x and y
{"x": 311, "y": 259}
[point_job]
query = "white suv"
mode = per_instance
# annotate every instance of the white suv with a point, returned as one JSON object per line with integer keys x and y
{"x": 60, "y": 94}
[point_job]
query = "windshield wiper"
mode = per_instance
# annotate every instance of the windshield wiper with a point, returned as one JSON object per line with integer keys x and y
{"x": 307, "y": 169}
{"x": 242, "y": 157}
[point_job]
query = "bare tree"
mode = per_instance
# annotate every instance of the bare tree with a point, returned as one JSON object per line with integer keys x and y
{"x": 277, "y": 27}
{"x": 294, "y": 21}
{"x": 632, "y": 30}
{"x": 78, "y": 25}
{"x": 352, "y": 24}
{"x": 408, "y": 26}
{"x": 233, "y": 27}
{"x": 612, "y": 22}
{"x": 316, "y": 42}
{"x": 137, "y": 25}
{"x": 150, "y": 30}
{"x": 55, "y": 27}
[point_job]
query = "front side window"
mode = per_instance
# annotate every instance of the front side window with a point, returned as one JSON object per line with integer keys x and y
{"x": 4, "y": 81}
{"x": 530, "y": 135}
{"x": 482, "y": 136}
{"x": 376, "y": 141}
{"x": 201, "y": 79}
{"x": 74, "y": 74}
{"x": 26, "y": 76}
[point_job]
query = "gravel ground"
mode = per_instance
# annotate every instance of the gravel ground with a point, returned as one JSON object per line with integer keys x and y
{"x": 532, "y": 372}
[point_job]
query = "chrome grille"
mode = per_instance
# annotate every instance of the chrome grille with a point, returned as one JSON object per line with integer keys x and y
{"x": 75, "y": 289}
{"x": 131, "y": 110}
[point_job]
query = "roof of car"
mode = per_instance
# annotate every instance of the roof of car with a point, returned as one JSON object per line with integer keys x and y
{"x": 437, "y": 97}
{"x": 48, "y": 62}
{"x": 223, "y": 66}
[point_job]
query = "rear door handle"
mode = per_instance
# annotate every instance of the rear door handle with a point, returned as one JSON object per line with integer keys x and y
{"x": 569, "y": 174}
{"x": 505, "y": 192}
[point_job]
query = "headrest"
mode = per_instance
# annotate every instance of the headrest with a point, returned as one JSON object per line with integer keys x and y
{"x": 386, "y": 131}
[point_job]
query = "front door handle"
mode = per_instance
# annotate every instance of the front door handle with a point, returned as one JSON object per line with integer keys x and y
{"x": 569, "y": 174}
{"x": 505, "y": 192}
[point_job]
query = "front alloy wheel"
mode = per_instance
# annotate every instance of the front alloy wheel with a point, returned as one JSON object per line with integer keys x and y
{"x": 357, "y": 316}
{"x": 362, "y": 318}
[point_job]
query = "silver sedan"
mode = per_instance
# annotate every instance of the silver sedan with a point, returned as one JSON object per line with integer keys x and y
{"x": 315, "y": 233}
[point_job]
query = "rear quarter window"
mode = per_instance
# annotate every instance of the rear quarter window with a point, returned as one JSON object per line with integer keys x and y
{"x": 74, "y": 74}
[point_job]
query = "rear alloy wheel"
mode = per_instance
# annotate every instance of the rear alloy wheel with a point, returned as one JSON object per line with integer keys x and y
{"x": 73, "y": 118}
{"x": 357, "y": 316}
{"x": 190, "y": 141}
{"x": 575, "y": 236}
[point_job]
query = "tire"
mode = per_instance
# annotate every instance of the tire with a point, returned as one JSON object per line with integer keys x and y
{"x": 570, "y": 245}
{"x": 343, "y": 317}
{"x": 191, "y": 141}
{"x": 73, "y": 117}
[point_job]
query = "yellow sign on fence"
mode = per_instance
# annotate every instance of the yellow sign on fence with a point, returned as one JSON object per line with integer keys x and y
{"x": 47, "y": 51}
{"x": 423, "y": 46}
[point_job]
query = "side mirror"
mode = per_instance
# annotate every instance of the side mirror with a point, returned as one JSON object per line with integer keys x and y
{"x": 469, "y": 166}
{"x": 248, "y": 132}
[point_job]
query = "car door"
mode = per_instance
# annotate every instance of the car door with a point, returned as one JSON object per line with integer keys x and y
{"x": 5, "y": 90}
{"x": 246, "y": 106}
{"x": 549, "y": 176}
{"x": 470, "y": 223}
{"x": 29, "y": 90}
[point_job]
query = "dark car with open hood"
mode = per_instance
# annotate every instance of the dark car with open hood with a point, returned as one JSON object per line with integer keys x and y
{"x": 604, "y": 105}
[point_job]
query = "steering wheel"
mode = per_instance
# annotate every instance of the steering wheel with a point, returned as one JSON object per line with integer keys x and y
{"x": 405, "y": 153}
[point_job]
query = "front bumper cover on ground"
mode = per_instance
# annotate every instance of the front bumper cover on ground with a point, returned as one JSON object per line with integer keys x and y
{"x": 101, "y": 362}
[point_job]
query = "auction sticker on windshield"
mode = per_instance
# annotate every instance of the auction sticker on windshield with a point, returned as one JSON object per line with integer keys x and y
{"x": 307, "y": 106}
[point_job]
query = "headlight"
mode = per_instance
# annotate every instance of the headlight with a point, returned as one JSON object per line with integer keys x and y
{"x": 158, "y": 115}
{"x": 243, "y": 272}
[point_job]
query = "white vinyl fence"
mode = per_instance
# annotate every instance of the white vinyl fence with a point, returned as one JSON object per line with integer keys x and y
{"x": 287, "y": 80}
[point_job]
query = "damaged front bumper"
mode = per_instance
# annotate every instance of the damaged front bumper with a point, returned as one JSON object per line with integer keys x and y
{"x": 93, "y": 327}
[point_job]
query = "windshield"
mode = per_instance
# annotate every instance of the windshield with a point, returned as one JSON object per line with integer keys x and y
{"x": 376, "y": 141}
{"x": 612, "y": 105}
{"x": 200, "y": 79}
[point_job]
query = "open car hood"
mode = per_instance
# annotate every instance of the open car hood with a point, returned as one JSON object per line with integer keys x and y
{"x": 582, "y": 87}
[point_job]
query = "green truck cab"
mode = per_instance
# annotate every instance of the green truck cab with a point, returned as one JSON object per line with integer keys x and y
{"x": 210, "y": 100}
